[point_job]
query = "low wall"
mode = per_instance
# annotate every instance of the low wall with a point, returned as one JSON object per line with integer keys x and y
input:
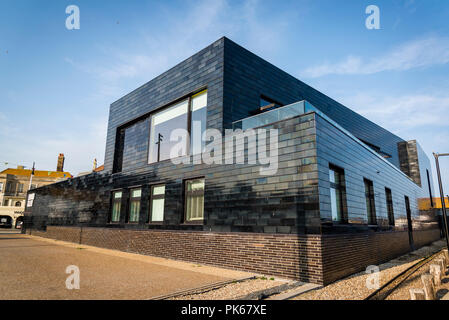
{"x": 283, "y": 255}
{"x": 346, "y": 254}
{"x": 310, "y": 258}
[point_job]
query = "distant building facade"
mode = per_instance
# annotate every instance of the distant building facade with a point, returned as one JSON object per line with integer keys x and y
{"x": 14, "y": 185}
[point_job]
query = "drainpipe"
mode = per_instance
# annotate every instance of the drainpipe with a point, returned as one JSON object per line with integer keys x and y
{"x": 443, "y": 205}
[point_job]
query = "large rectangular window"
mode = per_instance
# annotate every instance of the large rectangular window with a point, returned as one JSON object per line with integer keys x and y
{"x": 370, "y": 203}
{"x": 194, "y": 197}
{"x": 337, "y": 193}
{"x": 116, "y": 206}
{"x": 390, "y": 210}
{"x": 177, "y": 116}
{"x": 134, "y": 205}
{"x": 162, "y": 124}
{"x": 157, "y": 202}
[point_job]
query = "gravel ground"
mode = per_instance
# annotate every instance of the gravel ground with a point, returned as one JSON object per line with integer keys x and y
{"x": 234, "y": 290}
{"x": 414, "y": 282}
{"x": 354, "y": 287}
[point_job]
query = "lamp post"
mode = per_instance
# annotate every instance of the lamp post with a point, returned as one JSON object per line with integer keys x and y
{"x": 443, "y": 205}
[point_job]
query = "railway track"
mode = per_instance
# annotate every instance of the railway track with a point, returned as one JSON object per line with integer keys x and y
{"x": 388, "y": 288}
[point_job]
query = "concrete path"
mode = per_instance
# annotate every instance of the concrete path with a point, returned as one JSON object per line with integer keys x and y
{"x": 35, "y": 268}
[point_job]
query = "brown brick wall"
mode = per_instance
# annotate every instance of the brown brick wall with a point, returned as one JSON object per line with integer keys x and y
{"x": 311, "y": 258}
{"x": 349, "y": 253}
{"x": 290, "y": 256}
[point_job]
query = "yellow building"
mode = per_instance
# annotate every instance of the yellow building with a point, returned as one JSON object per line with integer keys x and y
{"x": 14, "y": 185}
{"x": 425, "y": 204}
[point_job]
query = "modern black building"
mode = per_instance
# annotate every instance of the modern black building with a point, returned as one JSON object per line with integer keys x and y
{"x": 344, "y": 195}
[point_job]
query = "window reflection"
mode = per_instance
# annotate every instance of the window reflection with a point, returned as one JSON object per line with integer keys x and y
{"x": 195, "y": 199}
{"x": 199, "y": 116}
{"x": 157, "y": 203}
{"x": 162, "y": 124}
{"x": 337, "y": 193}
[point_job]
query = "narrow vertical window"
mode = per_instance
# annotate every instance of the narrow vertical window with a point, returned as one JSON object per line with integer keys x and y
{"x": 30, "y": 200}
{"x": 337, "y": 193}
{"x": 157, "y": 201}
{"x": 198, "y": 119}
{"x": 430, "y": 188}
{"x": 194, "y": 193}
{"x": 134, "y": 205}
{"x": 390, "y": 211}
{"x": 20, "y": 187}
{"x": 370, "y": 204}
{"x": 1, "y": 186}
{"x": 116, "y": 206}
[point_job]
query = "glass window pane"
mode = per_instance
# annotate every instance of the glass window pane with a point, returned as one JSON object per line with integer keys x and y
{"x": 332, "y": 176}
{"x": 116, "y": 211}
{"x": 117, "y": 195}
{"x": 199, "y": 100}
{"x": 335, "y": 204}
{"x": 195, "y": 199}
{"x": 195, "y": 185}
{"x": 162, "y": 124}
{"x": 134, "y": 211}
{"x": 157, "y": 190}
{"x": 136, "y": 193}
{"x": 157, "y": 210}
{"x": 199, "y": 119}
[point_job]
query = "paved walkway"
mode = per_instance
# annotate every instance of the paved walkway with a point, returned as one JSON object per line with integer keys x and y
{"x": 34, "y": 268}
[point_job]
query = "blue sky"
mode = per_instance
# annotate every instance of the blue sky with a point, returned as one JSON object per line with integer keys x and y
{"x": 56, "y": 85}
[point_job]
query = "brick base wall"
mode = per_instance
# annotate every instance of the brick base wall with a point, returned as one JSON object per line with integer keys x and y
{"x": 310, "y": 258}
{"x": 346, "y": 254}
{"x": 289, "y": 256}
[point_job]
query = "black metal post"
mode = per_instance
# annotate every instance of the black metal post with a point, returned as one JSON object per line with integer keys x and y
{"x": 443, "y": 205}
{"x": 159, "y": 140}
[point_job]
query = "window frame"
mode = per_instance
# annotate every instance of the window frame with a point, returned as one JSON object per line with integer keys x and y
{"x": 389, "y": 203}
{"x": 370, "y": 196}
{"x": 150, "y": 203}
{"x": 113, "y": 201}
{"x": 341, "y": 187}
{"x": 189, "y": 98}
{"x": 132, "y": 199}
{"x": 185, "y": 195}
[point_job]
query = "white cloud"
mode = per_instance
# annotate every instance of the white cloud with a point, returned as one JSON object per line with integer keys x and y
{"x": 424, "y": 117}
{"x": 181, "y": 35}
{"x": 415, "y": 54}
{"x": 406, "y": 111}
{"x": 115, "y": 68}
{"x": 43, "y": 146}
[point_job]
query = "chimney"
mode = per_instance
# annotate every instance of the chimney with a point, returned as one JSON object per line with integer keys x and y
{"x": 60, "y": 166}
{"x": 20, "y": 167}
